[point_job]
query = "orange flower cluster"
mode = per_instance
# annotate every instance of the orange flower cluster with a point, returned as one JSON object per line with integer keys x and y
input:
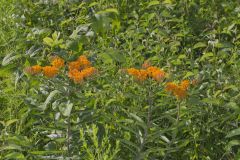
{"x": 34, "y": 69}
{"x": 48, "y": 71}
{"x": 156, "y": 73}
{"x": 139, "y": 74}
{"x": 80, "y": 69}
{"x": 148, "y": 71}
{"x": 57, "y": 62}
{"x": 180, "y": 91}
{"x": 81, "y": 63}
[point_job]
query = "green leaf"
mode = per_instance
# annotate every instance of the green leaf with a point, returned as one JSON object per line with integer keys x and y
{"x": 136, "y": 117}
{"x": 153, "y": 3}
{"x": 48, "y": 41}
{"x": 92, "y": 4}
{"x": 214, "y": 101}
{"x": 188, "y": 74}
{"x": 9, "y": 58}
{"x": 108, "y": 10}
{"x": 48, "y": 100}
{"x": 45, "y": 152}
{"x": 233, "y": 133}
{"x": 9, "y": 122}
{"x": 66, "y": 109}
{"x": 14, "y": 155}
{"x": 206, "y": 56}
{"x": 11, "y": 147}
{"x": 199, "y": 45}
{"x": 232, "y": 144}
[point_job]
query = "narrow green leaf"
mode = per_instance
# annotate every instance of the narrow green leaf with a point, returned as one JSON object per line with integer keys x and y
{"x": 14, "y": 155}
{"x": 9, "y": 122}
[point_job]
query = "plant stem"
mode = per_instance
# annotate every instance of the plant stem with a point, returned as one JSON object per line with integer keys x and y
{"x": 149, "y": 113}
{"x": 178, "y": 111}
{"x": 68, "y": 136}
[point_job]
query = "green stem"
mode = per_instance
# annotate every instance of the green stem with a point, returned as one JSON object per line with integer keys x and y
{"x": 68, "y": 136}
{"x": 178, "y": 111}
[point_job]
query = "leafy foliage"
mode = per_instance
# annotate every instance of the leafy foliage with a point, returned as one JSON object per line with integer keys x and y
{"x": 113, "y": 115}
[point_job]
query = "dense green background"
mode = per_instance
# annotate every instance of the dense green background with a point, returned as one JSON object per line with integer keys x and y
{"x": 111, "y": 116}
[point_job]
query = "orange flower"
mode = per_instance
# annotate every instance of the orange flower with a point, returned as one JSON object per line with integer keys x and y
{"x": 74, "y": 65}
{"x": 75, "y": 75}
{"x": 78, "y": 76}
{"x": 132, "y": 71}
{"x": 185, "y": 84}
{"x": 88, "y": 72}
{"x": 57, "y": 62}
{"x": 170, "y": 86}
{"x": 140, "y": 75}
{"x": 156, "y": 73}
{"x": 84, "y": 62}
{"x": 180, "y": 91}
{"x": 33, "y": 69}
{"x": 50, "y": 71}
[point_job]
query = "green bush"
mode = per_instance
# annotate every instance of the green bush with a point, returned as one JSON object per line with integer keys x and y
{"x": 113, "y": 115}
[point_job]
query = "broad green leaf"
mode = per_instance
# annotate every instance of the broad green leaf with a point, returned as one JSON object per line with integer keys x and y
{"x": 233, "y": 143}
{"x": 66, "y": 109}
{"x": 168, "y": 2}
{"x": 235, "y": 132}
{"x": 206, "y": 56}
{"x": 48, "y": 41}
{"x": 188, "y": 74}
{"x": 199, "y": 45}
{"x": 153, "y": 3}
{"x": 214, "y": 101}
{"x": 92, "y": 4}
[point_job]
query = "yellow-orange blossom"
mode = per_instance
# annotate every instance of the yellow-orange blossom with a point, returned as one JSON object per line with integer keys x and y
{"x": 180, "y": 91}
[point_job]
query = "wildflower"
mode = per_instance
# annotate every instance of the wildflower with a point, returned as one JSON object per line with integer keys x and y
{"x": 33, "y": 69}
{"x": 156, "y": 73}
{"x": 74, "y": 65}
{"x": 140, "y": 75}
{"x": 185, "y": 84}
{"x": 170, "y": 86}
{"x": 88, "y": 72}
{"x": 78, "y": 76}
{"x": 180, "y": 91}
{"x": 50, "y": 71}
{"x": 84, "y": 62}
{"x": 57, "y": 62}
{"x": 75, "y": 75}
